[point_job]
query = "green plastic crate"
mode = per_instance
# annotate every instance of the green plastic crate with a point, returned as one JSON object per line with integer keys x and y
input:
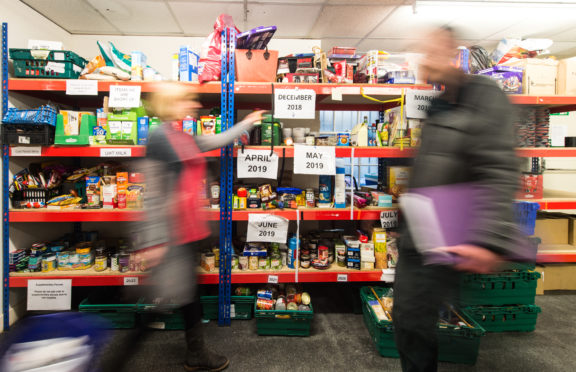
{"x": 520, "y": 318}
{"x": 509, "y": 288}
{"x": 58, "y": 64}
{"x": 456, "y": 344}
{"x": 283, "y": 322}
{"x": 118, "y": 315}
{"x": 170, "y": 319}
{"x": 240, "y": 307}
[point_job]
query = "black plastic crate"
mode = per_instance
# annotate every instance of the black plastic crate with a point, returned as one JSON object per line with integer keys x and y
{"x": 21, "y": 197}
{"x": 28, "y": 134}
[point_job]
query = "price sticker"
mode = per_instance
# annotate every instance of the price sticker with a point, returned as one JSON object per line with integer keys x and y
{"x": 267, "y": 228}
{"x": 257, "y": 164}
{"x": 342, "y": 278}
{"x": 319, "y": 160}
{"x": 81, "y": 87}
{"x": 124, "y": 96}
{"x": 131, "y": 280}
{"x": 273, "y": 279}
{"x": 418, "y": 102}
{"x": 294, "y": 104}
{"x": 115, "y": 153}
{"x": 26, "y": 151}
{"x": 389, "y": 219}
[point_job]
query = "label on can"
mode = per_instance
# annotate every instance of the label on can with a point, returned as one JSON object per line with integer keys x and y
{"x": 264, "y": 304}
{"x": 100, "y": 263}
{"x": 310, "y": 198}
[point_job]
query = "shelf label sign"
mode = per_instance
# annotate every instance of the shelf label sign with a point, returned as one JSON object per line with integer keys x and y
{"x": 115, "y": 153}
{"x": 342, "y": 278}
{"x": 81, "y": 87}
{"x": 131, "y": 280}
{"x": 389, "y": 219}
{"x": 257, "y": 164}
{"x": 294, "y": 104}
{"x": 273, "y": 279}
{"x": 388, "y": 275}
{"x": 49, "y": 294}
{"x": 418, "y": 102}
{"x": 267, "y": 228}
{"x": 319, "y": 160}
{"x": 26, "y": 151}
{"x": 124, "y": 96}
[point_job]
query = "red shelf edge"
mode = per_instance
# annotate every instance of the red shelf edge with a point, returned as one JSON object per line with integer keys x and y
{"x": 555, "y": 257}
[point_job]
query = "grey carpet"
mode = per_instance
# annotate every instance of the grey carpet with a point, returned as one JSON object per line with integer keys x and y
{"x": 340, "y": 342}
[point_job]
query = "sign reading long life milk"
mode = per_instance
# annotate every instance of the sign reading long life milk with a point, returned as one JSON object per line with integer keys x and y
{"x": 418, "y": 102}
{"x": 294, "y": 104}
{"x": 49, "y": 294}
{"x": 320, "y": 160}
{"x": 257, "y": 164}
{"x": 267, "y": 228}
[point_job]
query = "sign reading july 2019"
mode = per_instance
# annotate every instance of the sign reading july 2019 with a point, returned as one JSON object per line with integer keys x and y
{"x": 294, "y": 104}
{"x": 267, "y": 228}
{"x": 314, "y": 160}
{"x": 257, "y": 164}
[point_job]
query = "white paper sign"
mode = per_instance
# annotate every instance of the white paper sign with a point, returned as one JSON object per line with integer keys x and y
{"x": 55, "y": 67}
{"x": 294, "y": 104}
{"x": 131, "y": 280}
{"x": 267, "y": 228}
{"x": 388, "y": 275}
{"x": 49, "y": 294}
{"x": 81, "y": 87}
{"x": 257, "y": 164}
{"x": 26, "y": 151}
{"x": 336, "y": 94}
{"x": 389, "y": 219}
{"x": 342, "y": 278}
{"x": 124, "y": 96}
{"x": 418, "y": 102}
{"x": 558, "y": 134}
{"x": 115, "y": 153}
{"x": 273, "y": 279}
{"x": 314, "y": 160}
{"x": 232, "y": 310}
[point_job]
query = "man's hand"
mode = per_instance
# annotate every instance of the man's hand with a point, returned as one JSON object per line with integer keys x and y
{"x": 255, "y": 116}
{"x": 473, "y": 258}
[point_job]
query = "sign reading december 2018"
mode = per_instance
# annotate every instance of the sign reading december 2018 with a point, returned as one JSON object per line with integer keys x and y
{"x": 267, "y": 228}
{"x": 49, "y": 294}
{"x": 257, "y": 164}
{"x": 319, "y": 160}
{"x": 294, "y": 104}
{"x": 124, "y": 96}
{"x": 418, "y": 102}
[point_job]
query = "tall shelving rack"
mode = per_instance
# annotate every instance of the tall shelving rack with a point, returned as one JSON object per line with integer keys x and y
{"x": 238, "y": 95}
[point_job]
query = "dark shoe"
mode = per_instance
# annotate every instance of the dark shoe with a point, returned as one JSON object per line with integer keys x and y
{"x": 198, "y": 357}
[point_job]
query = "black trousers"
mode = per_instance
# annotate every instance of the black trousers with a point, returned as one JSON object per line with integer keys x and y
{"x": 419, "y": 292}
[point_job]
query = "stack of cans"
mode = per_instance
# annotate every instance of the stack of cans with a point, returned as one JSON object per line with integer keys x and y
{"x": 18, "y": 261}
{"x": 533, "y": 127}
{"x": 542, "y": 133}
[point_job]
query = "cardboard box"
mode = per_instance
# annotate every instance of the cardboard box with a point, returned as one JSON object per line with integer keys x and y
{"x": 531, "y": 186}
{"x": 559, "y": 277}
{"x": 539, "y": 75}
{"x": 398, "y": 180}
{"x": 566, "y": 81}
{"x": 552, "y": 231}
{"x": 540, "y": 284}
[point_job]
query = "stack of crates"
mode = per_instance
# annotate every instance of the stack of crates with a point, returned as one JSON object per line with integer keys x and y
{"x": 504, "y": 302}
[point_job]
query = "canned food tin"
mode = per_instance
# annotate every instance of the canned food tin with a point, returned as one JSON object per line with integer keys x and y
{"x": 310, "y": 198}
{"x": 101, "y": 263}
{"x": 124, "y": 263}
{"x": 264, "y": 263}
{"x": 305, "y": 261}
{"x": 264, "y": 293}
{"x": 209, "y": 261}
{"x": 284, "y": 255}
{"x": 264, "y": 304}
{"x": 276, "y": 262}
{"x": 115, "y": 262}
{"x": 310, "y": 140}
{"x": 343, "y": 139}
{"x": 48, "y": 263}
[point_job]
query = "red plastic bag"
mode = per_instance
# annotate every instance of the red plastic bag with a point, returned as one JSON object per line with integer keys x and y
{"x": 211, "y": 53}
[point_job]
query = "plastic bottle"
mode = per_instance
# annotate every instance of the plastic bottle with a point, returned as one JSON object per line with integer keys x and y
{"x": 292, "y": 260}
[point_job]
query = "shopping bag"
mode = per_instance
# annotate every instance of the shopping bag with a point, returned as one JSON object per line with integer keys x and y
{"x": 256, "y": 65}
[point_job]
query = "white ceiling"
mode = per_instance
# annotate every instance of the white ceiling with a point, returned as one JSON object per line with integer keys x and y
{"x": 390, "y": 25}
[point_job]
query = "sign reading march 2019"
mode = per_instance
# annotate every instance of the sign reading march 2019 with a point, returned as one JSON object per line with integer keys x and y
{"x": 418, "y": 102}
{"x": 257, "y": 164}
{"x": 267, "y": 228}
{"x": 294, "y": 104}
{"x": 124, "y": 96}
{"x": 314, "y": 160}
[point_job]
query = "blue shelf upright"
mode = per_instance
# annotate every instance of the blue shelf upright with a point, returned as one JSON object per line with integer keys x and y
{"x": 5, "y": 201}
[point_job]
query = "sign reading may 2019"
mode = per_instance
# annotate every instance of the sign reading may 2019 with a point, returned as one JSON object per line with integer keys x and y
{"x": 314, "y": 160}
{"x": 294, "y": 104}
{"x": 267, "y": 228}
{"x": 257, "y": 164}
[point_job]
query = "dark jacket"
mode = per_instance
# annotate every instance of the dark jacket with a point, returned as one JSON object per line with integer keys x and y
{"x": 473, "y": 140}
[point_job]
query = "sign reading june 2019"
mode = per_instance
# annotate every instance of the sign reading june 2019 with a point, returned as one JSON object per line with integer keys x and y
{"x": 124, "y": 96}
{"x": 320, "y": 160}
{"x": 418, "y": 102}
{"x": 294, "y": 104}
{"x": 257, "y": 164}
{"x": 267, "y": 228}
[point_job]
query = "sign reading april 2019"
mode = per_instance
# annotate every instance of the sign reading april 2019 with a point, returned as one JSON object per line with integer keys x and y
{"x": 418, "y": 102}
{"x": 294, "y": 104}
{"x": 267, "y": 228}
{"x": 257, "y": 164}
{"x": 319, "y": 160}
{"x": 124, "y": 96}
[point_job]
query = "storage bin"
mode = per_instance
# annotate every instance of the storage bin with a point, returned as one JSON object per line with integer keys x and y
{"x": 240, "y": 307}
{"x": 283, "y": 322}
{"x": 456, "y": 344}
{"x": 87, "y": 124}
{"x": 20, "y": 198}
{"x": 54, "y": 64}
{"x": 520, "y": 318}
{"x": 171, "y": 318}
{"x": 42, "y": 115}
{"x": 28, "y": 134}
{"x": 256, "y": 65}
{"x": 508, "y": 288}
{"x": 525, "y": 214}
{"x": 119, "y": 315}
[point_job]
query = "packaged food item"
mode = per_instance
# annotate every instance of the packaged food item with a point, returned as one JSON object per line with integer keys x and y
{"x": 398, "y": 180}
{"x": 264, "y": 304}
{"x": 253, "y": 201}
{"x": 343, "y": 139}
{"x": 310, "y": 198}
{"x": 253, "y": 262}
{"x": 122, "y": 189}
{"x": 209, "y": 263}
{"x": 215, "y": 195}
{"x": 305, "y": 261}
{"x": 137, "y": 66}
{"x": 208, "y": 124}
{"x": 143, "y": 123}
{"x": 189, "y": 125}
{"x": 135, "y": 196}
{"x": 48, "y": 262}
{"x": 243, "y": 262}
{"x": 266, "y": 193}
{"x": 325, "y": 191}
{"x": 72, "y": 121}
